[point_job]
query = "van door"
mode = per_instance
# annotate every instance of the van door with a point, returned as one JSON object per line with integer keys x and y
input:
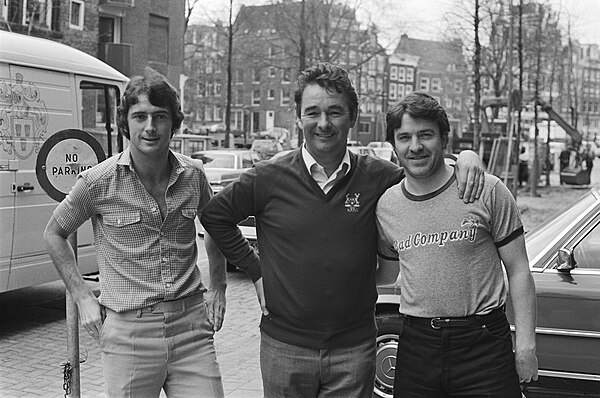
{"x": 7, "y": 180}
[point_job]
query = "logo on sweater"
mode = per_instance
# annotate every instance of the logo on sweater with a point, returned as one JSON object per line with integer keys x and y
{"x": 352, "y": 204}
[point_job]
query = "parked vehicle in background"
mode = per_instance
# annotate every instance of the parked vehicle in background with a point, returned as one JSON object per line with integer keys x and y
{"x": 564, "y": 255}
{"x": 45, "y": 87}
{"x": 384, "y": 150}
{"x": 362, "y": 150}
{"x": 187, "y": 144}
{"x": 266, "y": 148}
{"x": 223, "y": 166}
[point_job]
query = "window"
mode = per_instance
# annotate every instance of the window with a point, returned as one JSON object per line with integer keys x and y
{"x": 408, "y": 89}
{"x": 424, "y": 86}
{"x": 401, "y": 74}
{"x": 217, "y": 112}
{"x": 270, "y": 52}
{"x": 256, "y": 97}
{"x": 458, "y": 87}
{"x": 587, "y": 252}
{"x": 400, "y": 91}
{"x": 393, "y": 72}
{"x": 256, "y": 75}
{"x": 436, "y": 85}
{"x": 286, "y": 75}
{"x": 239, "y": 76}
{"x": 76, "y": 11}
{"x": 410, "y": 75}
{"x": 365, "y": 127}
{"x": 271, "y": 94}
{"x": 458, "y": 104}
{"x": 239, "y": 96}
{"x": 285, "y": 97}
{"x": 448, "y": 103}
{"x": 158, "y": 39}
{"x": 271, "y": 71}
{"x": 393, "y": 93}
{"x": 218, "y": 87}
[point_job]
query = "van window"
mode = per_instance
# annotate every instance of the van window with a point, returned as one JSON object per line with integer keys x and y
{"x": 99, "y": 115}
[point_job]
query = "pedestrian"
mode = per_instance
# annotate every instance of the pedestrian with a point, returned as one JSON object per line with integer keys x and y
{"x": 523, "y": 166}
{"x": 315, "y": 221}
{"x": 152, "y": 322}
{"x": 565, "y": 158}
{"x": 455, "y": 339}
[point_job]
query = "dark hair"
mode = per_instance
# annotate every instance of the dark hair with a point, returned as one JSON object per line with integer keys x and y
{"x": 332, "y": 78}
{"x": 160, "y": 93}
{"x": 419, "y": 106}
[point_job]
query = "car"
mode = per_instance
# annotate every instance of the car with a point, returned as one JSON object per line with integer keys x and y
{"x": 362, "y": 150}
{"x": 564, "y": 256}
{"x": 223, "y": 166}
{"x": 266, "y": 148}
{"x": 384, "y": 150}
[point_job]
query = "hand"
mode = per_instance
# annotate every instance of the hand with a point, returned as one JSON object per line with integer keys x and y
{"x": 527, "y": 365}
{"x": 470, "y": 176}
{"x": 90, "y": 316}
{"x": 260, "y": 293}
{"x": 215, "y": 307}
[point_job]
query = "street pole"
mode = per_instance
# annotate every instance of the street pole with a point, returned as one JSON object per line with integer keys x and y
{"x": 73, "y": 337}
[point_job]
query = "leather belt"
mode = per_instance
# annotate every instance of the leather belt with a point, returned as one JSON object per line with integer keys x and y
{"x": 457, "y": 322}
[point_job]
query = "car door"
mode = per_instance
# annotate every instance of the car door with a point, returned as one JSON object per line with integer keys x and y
{"x": 568, "y": 331}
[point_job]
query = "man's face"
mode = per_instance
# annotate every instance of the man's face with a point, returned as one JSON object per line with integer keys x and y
{"x": 419, "y": 146}
{"x": 326, "y": 121}
{"x": 149, "y": 127}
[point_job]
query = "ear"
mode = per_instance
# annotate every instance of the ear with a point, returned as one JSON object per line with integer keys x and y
{"x": 299, "y": 123}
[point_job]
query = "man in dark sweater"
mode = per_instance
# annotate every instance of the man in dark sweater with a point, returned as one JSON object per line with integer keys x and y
{"x": 315, "y": 220}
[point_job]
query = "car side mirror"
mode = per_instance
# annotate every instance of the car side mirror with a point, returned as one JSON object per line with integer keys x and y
{"x": 565, "y": 262}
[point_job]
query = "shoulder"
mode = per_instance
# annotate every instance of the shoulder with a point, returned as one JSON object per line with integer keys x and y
{"x": 378, "y": 168}
{"x": 102, "y": 170}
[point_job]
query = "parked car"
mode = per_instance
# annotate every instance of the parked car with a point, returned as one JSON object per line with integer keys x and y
{"x": 564, "y": 255}
{"x": 384, "y": 150}
{"x": 362, "y": 150}
{"x": 224, "y": 166}
{"x": 266, "y": 148}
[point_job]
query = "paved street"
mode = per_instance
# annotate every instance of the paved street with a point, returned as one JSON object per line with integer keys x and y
{"x": 33, "y": 342}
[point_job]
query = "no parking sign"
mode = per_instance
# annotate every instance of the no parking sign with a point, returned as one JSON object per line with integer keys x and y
{"x": 62, "y": 157}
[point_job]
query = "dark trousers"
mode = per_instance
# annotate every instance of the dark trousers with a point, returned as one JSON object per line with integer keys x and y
{"x": 464, "y": 361}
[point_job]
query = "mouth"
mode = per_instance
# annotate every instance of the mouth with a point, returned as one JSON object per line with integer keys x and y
{"x": 323, "y": 134}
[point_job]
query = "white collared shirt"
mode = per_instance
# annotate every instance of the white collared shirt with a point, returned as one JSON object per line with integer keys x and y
{"x": 318, "y": 172}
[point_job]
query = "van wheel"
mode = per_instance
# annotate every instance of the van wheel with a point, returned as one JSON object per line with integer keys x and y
{"x": 388, "y": 325}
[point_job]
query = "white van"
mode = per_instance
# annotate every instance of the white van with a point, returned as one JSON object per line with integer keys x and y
{"x": 45, "y": 87}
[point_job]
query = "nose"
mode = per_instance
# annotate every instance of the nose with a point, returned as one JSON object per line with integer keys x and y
{"x": 150, "y": 126}
{"x": 415, "y": 144}
{"x": 323, "y": 121}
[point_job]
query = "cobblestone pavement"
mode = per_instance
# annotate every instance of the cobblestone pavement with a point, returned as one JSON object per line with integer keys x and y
{"x": 33, "y": 342}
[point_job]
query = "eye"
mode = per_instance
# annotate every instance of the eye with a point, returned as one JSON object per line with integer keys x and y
{"x": 311, "y": 115}
{"x": 402, "y": 138}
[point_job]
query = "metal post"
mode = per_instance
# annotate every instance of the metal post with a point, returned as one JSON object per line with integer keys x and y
{"x": 73, "y": 333}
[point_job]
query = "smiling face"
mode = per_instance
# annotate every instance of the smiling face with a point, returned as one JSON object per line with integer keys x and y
{"x": 325, "y": 120}
{"x": 420, "y": 147}
{"x": 150, "y": 128}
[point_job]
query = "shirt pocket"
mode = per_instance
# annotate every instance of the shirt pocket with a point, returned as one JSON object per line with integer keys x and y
{"x": 121, "y": 220}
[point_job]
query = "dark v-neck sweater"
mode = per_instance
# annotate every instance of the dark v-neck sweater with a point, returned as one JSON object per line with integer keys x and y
{"x": 317, "y": 250}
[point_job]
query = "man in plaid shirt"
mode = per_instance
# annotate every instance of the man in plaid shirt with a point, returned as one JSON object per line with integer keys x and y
{"x": 151, "y": 321}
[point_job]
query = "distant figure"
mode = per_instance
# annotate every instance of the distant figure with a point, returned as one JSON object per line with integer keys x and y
{"x": 588, "y": 157}
{"x": 523, "y": 166}
{"x": 565, "y": 158}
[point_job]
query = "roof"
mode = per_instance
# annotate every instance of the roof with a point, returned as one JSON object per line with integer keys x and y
{"x": 434, "y": 55}
{"x": 37, "y": 52}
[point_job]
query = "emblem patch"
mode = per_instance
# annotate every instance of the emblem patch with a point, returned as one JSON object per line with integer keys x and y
{"x": 352, "y": 204}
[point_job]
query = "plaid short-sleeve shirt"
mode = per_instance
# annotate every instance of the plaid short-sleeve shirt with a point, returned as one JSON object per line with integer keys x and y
{"x": 142, "y": 258}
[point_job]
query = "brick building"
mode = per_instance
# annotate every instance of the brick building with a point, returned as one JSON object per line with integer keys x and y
{"x": 125, "y": 34}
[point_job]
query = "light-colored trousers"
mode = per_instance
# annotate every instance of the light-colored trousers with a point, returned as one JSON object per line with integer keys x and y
{"x": 167, "y": 346}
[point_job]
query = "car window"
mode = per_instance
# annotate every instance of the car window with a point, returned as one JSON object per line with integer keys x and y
{"x": 246, "y": 161}
{"x": 587, "y": 251}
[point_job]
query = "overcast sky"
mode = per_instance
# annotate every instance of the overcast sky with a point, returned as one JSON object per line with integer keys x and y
{"x": 424, "y": 19}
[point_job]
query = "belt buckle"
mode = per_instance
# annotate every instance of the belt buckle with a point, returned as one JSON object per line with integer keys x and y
{"x": 433, "y": 323}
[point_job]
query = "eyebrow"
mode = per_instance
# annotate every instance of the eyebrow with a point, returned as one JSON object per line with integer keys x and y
{"x": 420, "y": 131}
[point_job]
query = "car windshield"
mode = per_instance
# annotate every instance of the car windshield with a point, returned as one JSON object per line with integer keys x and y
{"x": 217, "y": 160}
{"x": 542, "y": 235}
